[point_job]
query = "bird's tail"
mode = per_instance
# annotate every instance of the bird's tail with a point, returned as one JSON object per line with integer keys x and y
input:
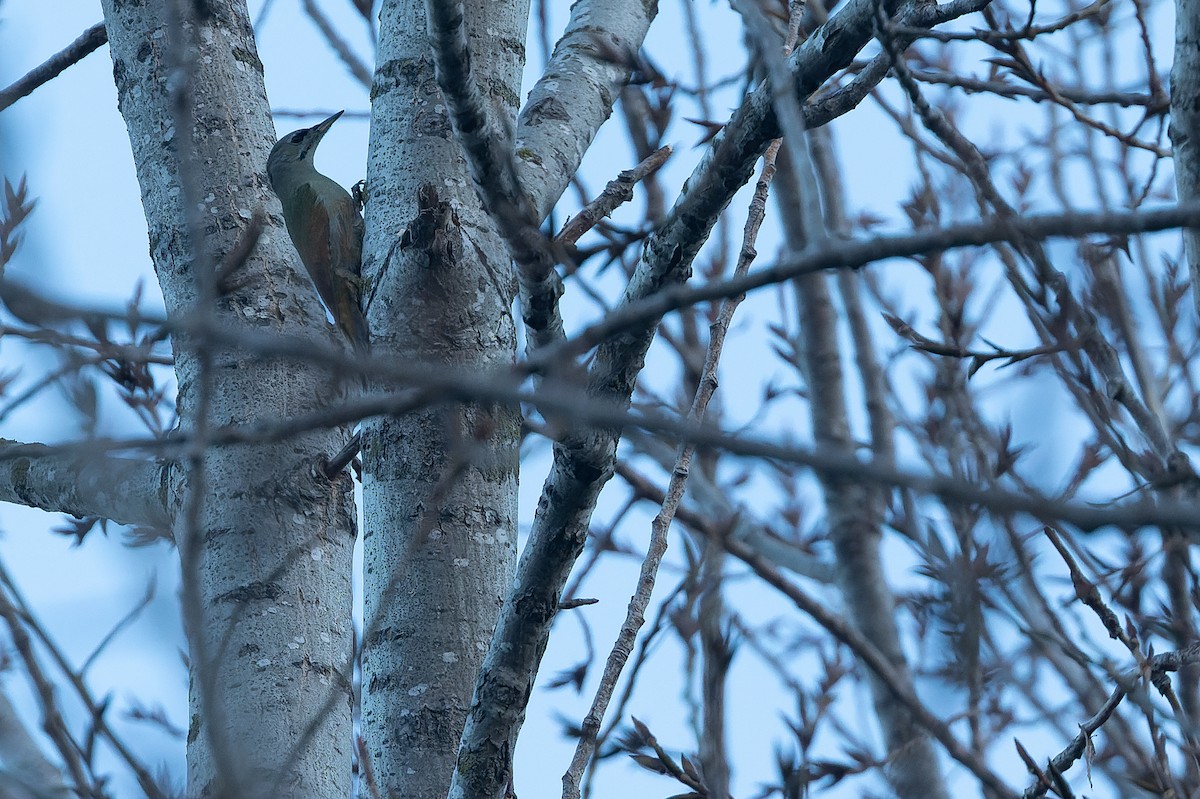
{"x": 354, "y": 325}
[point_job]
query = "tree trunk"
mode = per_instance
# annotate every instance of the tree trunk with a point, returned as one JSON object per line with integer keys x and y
{"x": 1185, "y": 124}
{"x": 267, "y": 540}
{"x": 439, "y": 485}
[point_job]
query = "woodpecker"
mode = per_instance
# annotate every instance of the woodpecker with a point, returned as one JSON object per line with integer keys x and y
{"x": 325, "y": 226}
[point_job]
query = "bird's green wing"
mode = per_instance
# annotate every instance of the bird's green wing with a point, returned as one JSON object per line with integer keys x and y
{"x": 345, "y": 241}
{"x": 308, "y": 225}
{"x": 327, "y": 230}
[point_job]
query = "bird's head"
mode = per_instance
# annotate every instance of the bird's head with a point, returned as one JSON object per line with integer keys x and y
{"x": 297, "y": 148}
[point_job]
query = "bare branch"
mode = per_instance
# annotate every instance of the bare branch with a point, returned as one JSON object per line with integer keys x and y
{"x": 879, "y": 664}
{"x": 855, "y": 254}
{"x": 83, "y": 484}
{"x": 25, "y": 766}
{"x": 53, "y": 723}
{"x": 1158, "y": 665}
{"x": 13, "y": 604}
{"x": 582, "y": 81}
{"x": 359, "y": 69}
{"x": 490, "y": 156}
{"x": 635, "y": 615}
{"x": 443, "y": 384}
{"x": 1004, "y": 88}
{"x": 618, "y": 191}
{"x": 89, "y": 41}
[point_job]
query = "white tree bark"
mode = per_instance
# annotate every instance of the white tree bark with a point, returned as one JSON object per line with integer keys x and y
{"x": 1185, "y": 124}
{"x": 266, "y": 538}
{"x": 270, "y": 654}
{"x": 439, "y": 485}
{"x": 124, "y": 490}
{"x": 576, "y": 93}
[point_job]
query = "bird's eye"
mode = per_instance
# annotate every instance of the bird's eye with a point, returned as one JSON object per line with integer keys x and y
{"x": 298, "y": 136}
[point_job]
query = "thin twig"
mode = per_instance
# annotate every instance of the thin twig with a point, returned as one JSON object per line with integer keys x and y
{"x": 856, "y": 253}
{"x": 869, "y": 654}
{"x": 1155, "y": 666}
{"x": 53, "y": 722}
{"x": 1002, "y": 88}
{"x": 75, "y": 678}
{"x": 635, "y": 618}
{"x": 357, "y": 67}
{"x": 617, "y": 192}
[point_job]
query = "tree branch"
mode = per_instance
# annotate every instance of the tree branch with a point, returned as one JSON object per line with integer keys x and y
{"x": 618, "y": 191}
{"x": 1155, "y": 669}
{"x": 360, "y": 70}
{"x": 25, "y": 767}
{"x": 635, "y": 615}
{"x": 855, "y": 254}
{"x": 559, "y": 401}
{"x": 490, "y": 157}
{"x": 89, "y": 41}
{"x": 124, "y": 490}
{"x": 583, "y": 460}
{"x": 580, "y": 85}
{"x": 875, "y": 660}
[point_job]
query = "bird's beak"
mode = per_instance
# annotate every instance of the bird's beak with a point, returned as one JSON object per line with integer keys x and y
{"x": 320, "y": 130}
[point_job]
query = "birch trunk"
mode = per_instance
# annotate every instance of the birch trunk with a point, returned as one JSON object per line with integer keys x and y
{"x": 1185, "y": 124}
{"x": 439, "y": 485}
{"x": 269, "y": 556}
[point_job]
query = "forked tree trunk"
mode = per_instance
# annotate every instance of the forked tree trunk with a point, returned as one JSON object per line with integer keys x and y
{"x": 439, "y": 485}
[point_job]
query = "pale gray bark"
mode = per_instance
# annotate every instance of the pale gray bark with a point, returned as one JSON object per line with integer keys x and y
{"x": 489, "y": 155}
{"x": 271, "y": 566}
{"x": 583, "y": 461}
{"x": 440, "y": 483}
{"x": 25, "y": 772}
{"x": 575, "y": 95}
{"x": 439, "y": 561}
{"x": 1185, "y": 124}
{"x": 123, "y": 490}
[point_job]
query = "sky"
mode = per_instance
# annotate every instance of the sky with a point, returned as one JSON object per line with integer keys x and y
{"x": 87, "y": 243}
